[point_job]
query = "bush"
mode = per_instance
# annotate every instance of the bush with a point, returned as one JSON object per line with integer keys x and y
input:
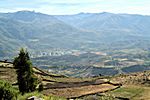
{"x": 7, "y": 92}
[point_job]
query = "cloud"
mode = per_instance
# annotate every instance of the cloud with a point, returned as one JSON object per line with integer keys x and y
{"x": 76, "y": 6}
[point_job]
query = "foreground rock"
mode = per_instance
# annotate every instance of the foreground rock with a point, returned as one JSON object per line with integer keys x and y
{"x": 34, "y": 98}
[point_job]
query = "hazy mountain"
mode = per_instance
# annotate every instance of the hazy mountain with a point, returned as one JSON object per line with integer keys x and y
{"x": 114, "y": 30}
{"x": 119, "y": 27}
{"x": 136, "y": 24}
{"x": 38, "y": 31}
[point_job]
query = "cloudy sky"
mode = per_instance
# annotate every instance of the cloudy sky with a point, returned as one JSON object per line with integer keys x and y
{"x": 59, "y": 7}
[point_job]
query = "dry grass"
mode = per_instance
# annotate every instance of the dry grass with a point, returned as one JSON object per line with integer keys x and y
{"x": 79, "y": 91}
{"x": 135, "y": 85}
{"x": 67, "y": 87}
{"x": 144, "y": 95}
{"x": 8, "y": 74}
{"x": 132, "y": 92}
{"x": 133, "y": 78}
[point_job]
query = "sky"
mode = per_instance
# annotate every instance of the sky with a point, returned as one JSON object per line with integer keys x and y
{"x": 63, "y": 7}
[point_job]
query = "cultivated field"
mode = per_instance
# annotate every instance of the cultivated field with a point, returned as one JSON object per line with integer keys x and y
{"x": 133, "y": 86}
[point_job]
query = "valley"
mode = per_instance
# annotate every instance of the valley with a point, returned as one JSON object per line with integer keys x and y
{"x": 84, "y": 32}
{"x": 87, "y": 64}
{"x": 84, "y": 44}
{"x": 82, "y": 56}
{"x": 74, "y": 49}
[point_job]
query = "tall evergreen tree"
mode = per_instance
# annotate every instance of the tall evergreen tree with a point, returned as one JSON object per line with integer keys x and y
{"x": 26, "y": 80}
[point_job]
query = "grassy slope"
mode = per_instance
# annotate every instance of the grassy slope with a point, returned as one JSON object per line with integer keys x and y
{"x": 131, "y": 92}
{"x": 59, "y": 85}
{"x": 135, "y": 86}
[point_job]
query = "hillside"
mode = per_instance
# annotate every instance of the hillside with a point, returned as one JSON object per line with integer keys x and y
{"x": 85, "y": 31}
{"x": 37, "y": 31}
{"x": 129, "y": 86}
{"x": 115, "y": 31}
{"x": 130, "y": 24}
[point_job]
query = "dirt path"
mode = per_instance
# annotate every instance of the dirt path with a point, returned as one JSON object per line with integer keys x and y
{"x": 80, "y": 91}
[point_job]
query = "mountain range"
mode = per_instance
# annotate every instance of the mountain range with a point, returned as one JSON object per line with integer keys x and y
{"x": 101, "y": 31}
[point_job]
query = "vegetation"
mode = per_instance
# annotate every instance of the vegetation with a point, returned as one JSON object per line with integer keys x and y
{"x": 26, "y": 80}
{"x": 131, "y": 92}
{"x": 7, "y": 92}
{"x": 39, "y": 95}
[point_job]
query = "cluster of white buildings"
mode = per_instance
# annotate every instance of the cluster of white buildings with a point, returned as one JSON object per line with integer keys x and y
{"x": 61, "y": 52}
{"x": 53, "y": 52}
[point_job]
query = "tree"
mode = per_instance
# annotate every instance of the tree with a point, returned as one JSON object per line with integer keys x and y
{"x": 26, "y": 80}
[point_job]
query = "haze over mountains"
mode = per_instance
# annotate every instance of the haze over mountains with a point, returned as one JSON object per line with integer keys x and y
{"x": 37, "y": 31}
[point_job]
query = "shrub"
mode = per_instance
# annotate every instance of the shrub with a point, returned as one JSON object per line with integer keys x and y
{"x": 7, "y": 92}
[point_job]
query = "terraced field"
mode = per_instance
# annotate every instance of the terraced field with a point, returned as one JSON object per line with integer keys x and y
{"x": 134, "y": 86}
{"x": 76, "y": 92}
{"x": 60, "y": 85}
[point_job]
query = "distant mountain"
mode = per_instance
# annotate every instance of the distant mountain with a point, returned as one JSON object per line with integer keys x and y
{"x": 135, "y": 24}
{"x": 114, "y": 31}
{"x": 120, "y": 27}
{"x": 37, "y": 31}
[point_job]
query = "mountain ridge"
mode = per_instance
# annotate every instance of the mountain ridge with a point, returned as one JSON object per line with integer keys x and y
{"x": 79, "y": 31}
